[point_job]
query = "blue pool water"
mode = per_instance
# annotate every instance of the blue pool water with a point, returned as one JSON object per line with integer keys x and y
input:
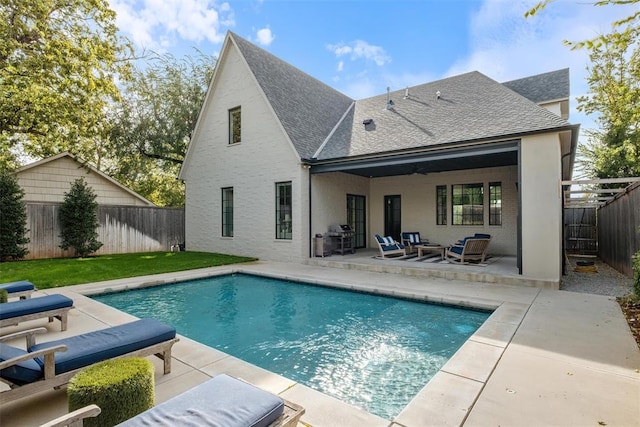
{"x": 371, "y": 351}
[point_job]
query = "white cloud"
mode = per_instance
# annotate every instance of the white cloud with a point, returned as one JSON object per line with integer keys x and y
{"x": 265, "y": 36}
{"x": 506, "y": 46}
{"x": 360, "y": 49}
{"x": 340, "y": 66}
{"x": 159, "y": 24}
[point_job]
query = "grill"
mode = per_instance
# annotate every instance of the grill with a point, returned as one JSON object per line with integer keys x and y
{"x": 342, "y": 238}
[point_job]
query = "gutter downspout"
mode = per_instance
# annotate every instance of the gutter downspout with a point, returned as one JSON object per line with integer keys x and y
{"x": 310, "y": 225}
{"x": 564, "y": 229}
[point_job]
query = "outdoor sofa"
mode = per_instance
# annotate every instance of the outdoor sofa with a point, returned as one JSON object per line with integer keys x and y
{"x": 51, "y": 306}
{"x": 21, "y": 289}
{"x": 52, "y": 364}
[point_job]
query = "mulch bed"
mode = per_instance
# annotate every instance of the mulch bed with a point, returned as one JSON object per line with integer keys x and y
{"x": 631, "y": 310}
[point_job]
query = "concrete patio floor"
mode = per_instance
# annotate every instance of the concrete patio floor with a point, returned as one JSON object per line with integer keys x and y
{"x": 544, "y": 357}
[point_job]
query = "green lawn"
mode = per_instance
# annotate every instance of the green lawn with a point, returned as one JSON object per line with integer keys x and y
{"x": 53, "y": 273}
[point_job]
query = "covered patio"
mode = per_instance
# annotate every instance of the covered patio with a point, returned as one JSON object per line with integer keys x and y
{"x": 500, "y": 269}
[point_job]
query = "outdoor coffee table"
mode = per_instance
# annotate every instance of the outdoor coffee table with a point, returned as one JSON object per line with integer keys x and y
{"x": 431, "y": 248}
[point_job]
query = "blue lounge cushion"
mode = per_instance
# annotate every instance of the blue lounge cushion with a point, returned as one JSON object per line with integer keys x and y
{"x": 20, "y": 286}
{"x": 457, "y": 249}
{"x": 220, "y": 401}
{"x": 482, "y": 236}
{"x": 33, "y": 305}
{"x": 21, "y": 373}
{"x": 92, "y": 347}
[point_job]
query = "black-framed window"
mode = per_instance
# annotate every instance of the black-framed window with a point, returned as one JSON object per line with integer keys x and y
{"x": 227, "y": 212}
{"x": 467, "y": 202}
{"x": 283, "y": 210}
{"x": 495, "y": 203}
{"x": 235, "y": 125}
{"x": 441, "y": 205}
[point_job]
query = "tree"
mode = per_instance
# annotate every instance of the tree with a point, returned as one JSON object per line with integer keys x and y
{"x": 630, "y": 21}
{"x": 59, "y": 61}
{"x": 13, "y": 219}
{"x": 152, "y": 126}
{"x": 612, "y": 150}
{"x": 614, "y": 96}
{"x": 78, "y": 220}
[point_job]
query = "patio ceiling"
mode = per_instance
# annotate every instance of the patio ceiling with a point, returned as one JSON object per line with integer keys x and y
{"x": 431, "y": 161}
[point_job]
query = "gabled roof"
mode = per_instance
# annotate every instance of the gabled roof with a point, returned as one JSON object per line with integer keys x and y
{"x": 307, "y": 108}
{"x": 551, "y": 86}
{"x": 87, "y": 166}
{"x": 471, "y": 107}
{"x": 325, "y": 125}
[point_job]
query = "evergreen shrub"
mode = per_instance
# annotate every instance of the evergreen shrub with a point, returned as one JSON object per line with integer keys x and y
{"x": 13, "y": 219}
{"x": 79, "y": 220}
{"x": 122, "y": 388}
{"x": 4, "y": 296}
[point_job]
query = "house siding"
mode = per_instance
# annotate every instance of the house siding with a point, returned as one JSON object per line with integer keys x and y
{"x": 252, "y": 167}
{"x": 541, "y": 207}
{"x": 329, "y": 198}
{"x": 50, "y": 181}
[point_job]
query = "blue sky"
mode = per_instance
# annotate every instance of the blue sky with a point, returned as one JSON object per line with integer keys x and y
{"x": 360, "y": 47}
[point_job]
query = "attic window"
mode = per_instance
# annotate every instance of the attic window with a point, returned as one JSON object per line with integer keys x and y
{"x": 235, "y": 125}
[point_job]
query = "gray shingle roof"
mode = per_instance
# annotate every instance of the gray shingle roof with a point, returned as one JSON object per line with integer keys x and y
{"x": 307, "y": 108}
{"x": 544, "y": 87}
{"x": 472, "y": 107}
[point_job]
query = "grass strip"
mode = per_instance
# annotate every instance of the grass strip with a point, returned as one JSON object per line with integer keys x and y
{"x": 54, "y": 273}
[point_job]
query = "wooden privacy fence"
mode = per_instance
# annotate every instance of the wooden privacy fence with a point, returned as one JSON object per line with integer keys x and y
{"x": 580, "y": 231}
{"x": 123, "y": 229}
{"x": 618, "y": 223}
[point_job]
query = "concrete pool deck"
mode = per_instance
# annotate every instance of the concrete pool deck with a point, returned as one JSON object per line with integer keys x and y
{"x": 544, "y": 357}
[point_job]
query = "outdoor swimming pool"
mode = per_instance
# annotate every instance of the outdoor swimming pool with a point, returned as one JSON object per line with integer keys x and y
{"x": 371, "y": 351}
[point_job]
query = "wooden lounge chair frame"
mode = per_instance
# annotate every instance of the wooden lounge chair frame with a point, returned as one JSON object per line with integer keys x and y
{"x": 289, "y": 418}
{"x": 473, "y": 249}
{"x": 75, "y": 418}
{"x": 51, "y": 380}
{"x": 59, "y": 313}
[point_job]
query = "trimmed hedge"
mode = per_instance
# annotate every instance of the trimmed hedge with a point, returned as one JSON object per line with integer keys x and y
{"x": 4, "y": 296}
{"x": 122, "y": 388}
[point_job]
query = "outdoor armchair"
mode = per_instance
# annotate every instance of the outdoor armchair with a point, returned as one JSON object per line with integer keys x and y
{"x": 469, "y": 249}
{"x": 411, "y": 239}
{"x": 388, "y": 246}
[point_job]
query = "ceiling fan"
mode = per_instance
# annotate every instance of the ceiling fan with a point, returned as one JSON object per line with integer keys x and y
{"x": 417, "y": 169}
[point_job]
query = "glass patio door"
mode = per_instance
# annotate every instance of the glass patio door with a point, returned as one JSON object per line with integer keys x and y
{"x": 356, "y": 218}
{"x": 392, "y": 225}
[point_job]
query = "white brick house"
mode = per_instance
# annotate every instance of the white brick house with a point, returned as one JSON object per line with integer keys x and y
{"x": 277, "y": 157}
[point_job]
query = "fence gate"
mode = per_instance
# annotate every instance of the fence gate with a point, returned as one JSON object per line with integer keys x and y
{"x": 580, "y": 231}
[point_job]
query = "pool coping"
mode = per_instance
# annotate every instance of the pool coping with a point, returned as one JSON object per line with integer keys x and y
{"x": 447, "y": 397}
